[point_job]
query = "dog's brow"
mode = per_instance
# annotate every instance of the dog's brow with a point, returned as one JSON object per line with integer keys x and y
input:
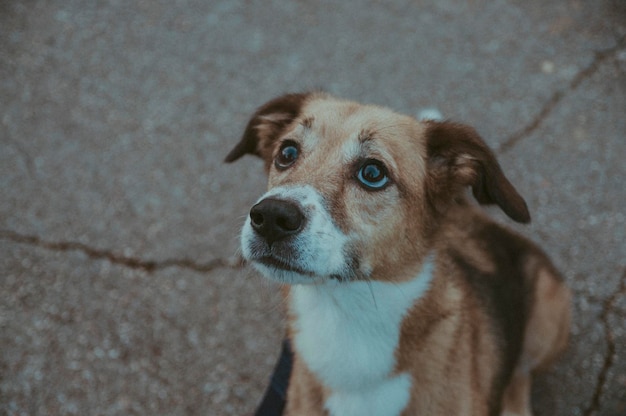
{"x": 307, "y": 122}
{"x": 365, "y": 136}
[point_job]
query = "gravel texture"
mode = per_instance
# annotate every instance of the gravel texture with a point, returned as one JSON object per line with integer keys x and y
{"x": 120, "y": 292}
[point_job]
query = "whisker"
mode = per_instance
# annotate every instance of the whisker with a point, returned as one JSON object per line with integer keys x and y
{"x": 371, "y": 288}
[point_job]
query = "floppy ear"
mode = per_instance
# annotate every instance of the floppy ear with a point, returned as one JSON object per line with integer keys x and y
{"x": 266, "y": 125}
{"x": 457, "y": 158}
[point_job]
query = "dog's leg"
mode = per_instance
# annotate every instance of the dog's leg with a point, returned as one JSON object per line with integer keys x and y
{"x": 517, "y": 395}
{"x": 305, "y": 396}
{"x": 546, "y": 334}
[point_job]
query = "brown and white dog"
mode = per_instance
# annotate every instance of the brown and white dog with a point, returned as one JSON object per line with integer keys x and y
{"x": 403, "y": 297}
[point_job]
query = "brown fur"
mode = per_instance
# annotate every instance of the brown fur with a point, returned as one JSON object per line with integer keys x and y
{"x": 496, "y": 311}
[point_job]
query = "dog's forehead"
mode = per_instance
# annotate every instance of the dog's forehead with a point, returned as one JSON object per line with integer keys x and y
{"x": 345, "y": 117}
{"x": 354, "y": 130}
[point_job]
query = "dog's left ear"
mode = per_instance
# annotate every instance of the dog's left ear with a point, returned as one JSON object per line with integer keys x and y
{"x": 266, "y": 125}
{"x": 457, "y": 158}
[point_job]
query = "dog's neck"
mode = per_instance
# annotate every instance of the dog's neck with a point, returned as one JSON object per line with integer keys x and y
{"x": 347, "y": 333}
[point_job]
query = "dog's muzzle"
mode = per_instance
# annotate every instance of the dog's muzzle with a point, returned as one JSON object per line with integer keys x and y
{"x": 291, "y": 237}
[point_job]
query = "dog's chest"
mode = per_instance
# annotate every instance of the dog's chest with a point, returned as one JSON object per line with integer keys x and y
{"x": 348, "y": 333}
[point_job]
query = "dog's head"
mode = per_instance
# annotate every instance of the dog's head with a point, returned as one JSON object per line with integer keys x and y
{"x": 357, "y": 191}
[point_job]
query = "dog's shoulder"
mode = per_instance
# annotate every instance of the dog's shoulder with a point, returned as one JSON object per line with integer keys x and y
{"x": 490, "y": 261}
{"x": 479, "y": 245}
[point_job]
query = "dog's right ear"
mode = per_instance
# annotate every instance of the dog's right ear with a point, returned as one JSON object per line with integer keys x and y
{"x": 266, "y": 125}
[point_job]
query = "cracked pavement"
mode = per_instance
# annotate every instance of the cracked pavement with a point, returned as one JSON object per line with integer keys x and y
{"x": 121, "y": 292}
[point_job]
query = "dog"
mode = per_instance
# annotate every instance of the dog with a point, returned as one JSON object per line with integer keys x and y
{"x": 403, "y": 296}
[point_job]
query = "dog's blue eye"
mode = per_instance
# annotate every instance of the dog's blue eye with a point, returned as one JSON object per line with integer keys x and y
{"x": 287, "y": 155}
{"x": 373, "y": 175}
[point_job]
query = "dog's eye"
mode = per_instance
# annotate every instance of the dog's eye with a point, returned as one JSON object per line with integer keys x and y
{"x": 287, "y": 155}
{"x": 373, "y": 175}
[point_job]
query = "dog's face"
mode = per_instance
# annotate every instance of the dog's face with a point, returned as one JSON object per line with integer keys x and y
{"x": 357, "y": 191}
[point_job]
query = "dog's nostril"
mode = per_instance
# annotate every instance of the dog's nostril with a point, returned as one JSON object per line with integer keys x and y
{"x": 257, "y": 218}
{"x": 275, "y": 219}
{"x": 289, "y": 223}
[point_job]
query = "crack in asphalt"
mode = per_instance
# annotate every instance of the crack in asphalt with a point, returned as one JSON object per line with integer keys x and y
{"x": 558, "y": 96}
{"x": 609, "y": 358}
{"x": 148, "y": 266}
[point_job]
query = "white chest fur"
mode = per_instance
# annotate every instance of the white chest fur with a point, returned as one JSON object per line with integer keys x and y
{"x": 347, "y": 334}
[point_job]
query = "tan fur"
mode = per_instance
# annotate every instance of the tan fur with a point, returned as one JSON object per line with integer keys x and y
{"x": 547, "y": 332}
{"x": 450, "y": 342}
{"x": 307, "y": 393}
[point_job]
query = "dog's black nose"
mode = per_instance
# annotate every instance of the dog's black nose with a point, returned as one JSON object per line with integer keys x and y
{"x": 275, "y": 219}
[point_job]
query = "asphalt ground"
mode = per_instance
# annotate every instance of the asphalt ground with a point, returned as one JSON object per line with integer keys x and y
{"x": 120, "y": 290}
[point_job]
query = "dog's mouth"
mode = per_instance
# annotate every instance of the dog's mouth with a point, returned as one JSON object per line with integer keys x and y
{"x": 280, "y": 264}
